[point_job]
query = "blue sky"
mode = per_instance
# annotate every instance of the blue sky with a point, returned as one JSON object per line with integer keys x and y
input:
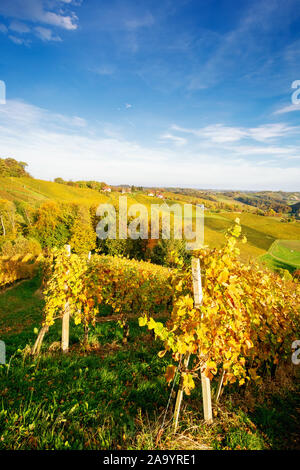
{"x": 165, "y": 93}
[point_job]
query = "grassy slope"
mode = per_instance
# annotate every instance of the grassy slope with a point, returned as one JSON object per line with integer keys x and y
{"x": 262, "y": 231}
{"x": 284, "y": 254}
{"x": 113, "y": 397}
{"x": 286, "y": 250}
{"x": 35, "y": 191}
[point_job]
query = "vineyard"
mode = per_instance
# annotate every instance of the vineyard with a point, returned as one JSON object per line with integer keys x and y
{"x": 237, "y": 338}
{"x": 18, "y": 267}
{"x": 246, "y": 323}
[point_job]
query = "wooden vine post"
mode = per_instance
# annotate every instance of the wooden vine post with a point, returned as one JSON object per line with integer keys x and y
{"x": 66, "y": 319}
{"x": 2, "y": 352}
{"x": 205, "y": 382}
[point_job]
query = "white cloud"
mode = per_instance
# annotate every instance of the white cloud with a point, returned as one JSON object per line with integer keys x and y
{"x": 19, "y": 27}
{"x": 253, "y": 150}
{"x": 18, "y": 114}
{"x": 218, "y": 133}
{"x": 174, "y": 138}
{"x": 288, "y": 109}
{"x": 17, "y": 40}
{"x": 46, "y": 34}
{"x": 65, "y": 22}
{"x": 57, "y": 145}
{"x": 37, "y": 11}
{"x": 272, "y": 131}
{"x": 46, "y": 12}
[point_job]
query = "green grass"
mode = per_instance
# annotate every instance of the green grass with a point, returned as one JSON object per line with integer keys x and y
{"x": 261, "y": 233}
{"x": 113, "y": 396}
{"x": 283, "y": 254}
{"x": 287, "y": 251}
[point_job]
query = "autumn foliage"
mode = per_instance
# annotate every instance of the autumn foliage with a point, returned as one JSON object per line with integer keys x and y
{"x": 130, "y": 287}
{"x": 17, "y": 268}
{"x": 246, "y": 324}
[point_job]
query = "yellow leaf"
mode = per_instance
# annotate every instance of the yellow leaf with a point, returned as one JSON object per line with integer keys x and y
{"x": 223, "y": 276}
{"x": 162, "y": 353}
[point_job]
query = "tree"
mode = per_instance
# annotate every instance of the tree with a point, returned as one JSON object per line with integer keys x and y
{"x": 7, "y": 219}
{"x": 83, "y": 235}
{"x": 51, "y": 226}
{"x": 11, "y": 167}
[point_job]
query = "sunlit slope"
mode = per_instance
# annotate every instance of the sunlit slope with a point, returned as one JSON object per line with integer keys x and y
{"x": 283, "y": 254}
{"x": 36, "y": 191}
{"x": 261, "y": 232}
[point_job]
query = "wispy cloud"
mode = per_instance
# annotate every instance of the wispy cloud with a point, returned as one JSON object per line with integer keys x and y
{"x": 51, "y": 13}
{"x": 86, "y": 152}
{"x": 135, "y": 23}
{"x": 46, "y": 34}
{"x": 17, "y": 40}
{"x": 247, "y": 49}
{"x": 219, "y": 133}
{"x": 288, "y": 109}
{"x": 179, "y": 141}
{"x": 39, "y": 11}
{"x": 19, "y": 27}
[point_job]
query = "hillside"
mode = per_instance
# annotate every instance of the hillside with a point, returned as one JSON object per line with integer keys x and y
{"x": 261, "y": 231}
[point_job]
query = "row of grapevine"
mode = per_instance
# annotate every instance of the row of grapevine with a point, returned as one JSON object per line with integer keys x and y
{"x": 129, "y": 287}
{"x": 17, "y": 267}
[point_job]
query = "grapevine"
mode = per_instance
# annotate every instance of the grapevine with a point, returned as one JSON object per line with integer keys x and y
{"x": 247, "y": 322}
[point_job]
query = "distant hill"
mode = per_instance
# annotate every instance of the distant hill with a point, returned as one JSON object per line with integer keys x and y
{"x": 295, "y": 208}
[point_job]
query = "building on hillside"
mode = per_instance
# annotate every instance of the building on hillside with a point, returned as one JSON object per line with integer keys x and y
{"x": 160, "y": 195}
{"x": 106, "y": 189}
{"x": 151, "y": 194}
